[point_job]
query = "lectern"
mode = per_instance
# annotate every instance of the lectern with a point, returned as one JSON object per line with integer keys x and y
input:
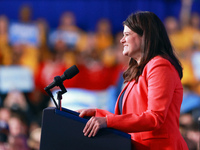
{"x": 63, "y": 130}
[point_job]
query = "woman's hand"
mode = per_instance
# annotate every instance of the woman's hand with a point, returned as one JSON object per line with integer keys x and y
{"x": 86, "y": 112}
{"x": 93, "y": 126}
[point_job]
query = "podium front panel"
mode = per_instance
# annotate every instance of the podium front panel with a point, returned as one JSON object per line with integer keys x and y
{"x": 63, "y": 130}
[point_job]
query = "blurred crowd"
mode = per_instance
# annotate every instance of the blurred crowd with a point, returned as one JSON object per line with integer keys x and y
{"x": 98, "y": 56}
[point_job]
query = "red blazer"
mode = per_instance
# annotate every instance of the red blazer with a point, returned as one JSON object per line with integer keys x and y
{"x": 151, "y": 108}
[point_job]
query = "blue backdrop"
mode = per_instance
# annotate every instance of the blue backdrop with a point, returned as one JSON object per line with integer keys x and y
{"x": 89, "y": 11}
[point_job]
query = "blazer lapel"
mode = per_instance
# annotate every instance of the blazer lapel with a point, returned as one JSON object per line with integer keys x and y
{"x": 128, "y": 89}
{"x": 117, "y": 103}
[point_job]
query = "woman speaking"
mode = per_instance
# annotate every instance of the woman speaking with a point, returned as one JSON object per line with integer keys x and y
{"x": 148, "y": 107}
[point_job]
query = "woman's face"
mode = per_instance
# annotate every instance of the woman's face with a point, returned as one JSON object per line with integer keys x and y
{"x": 132, "y": 43}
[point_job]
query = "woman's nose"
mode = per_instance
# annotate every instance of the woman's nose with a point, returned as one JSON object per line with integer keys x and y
{"x": 122, "y": 40}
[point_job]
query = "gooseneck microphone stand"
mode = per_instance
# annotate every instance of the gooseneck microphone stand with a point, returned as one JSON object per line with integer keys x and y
{"x": 58, "y": 82}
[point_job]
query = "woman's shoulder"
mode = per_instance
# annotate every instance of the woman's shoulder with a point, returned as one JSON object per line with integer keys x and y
{"x": 158, "y": 60}
{"x": 160, "y": 67}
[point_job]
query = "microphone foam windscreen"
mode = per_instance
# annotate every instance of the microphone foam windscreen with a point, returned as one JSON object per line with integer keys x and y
{"x": 71, "y": 72}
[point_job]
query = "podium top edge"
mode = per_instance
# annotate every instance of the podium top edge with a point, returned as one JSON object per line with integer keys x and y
{"x": 75, "y": 116}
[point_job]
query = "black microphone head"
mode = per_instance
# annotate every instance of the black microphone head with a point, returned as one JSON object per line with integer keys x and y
{"x": 70, "y": 73}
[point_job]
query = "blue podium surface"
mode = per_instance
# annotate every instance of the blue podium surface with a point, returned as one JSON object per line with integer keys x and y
{"x": 63, "y": 130}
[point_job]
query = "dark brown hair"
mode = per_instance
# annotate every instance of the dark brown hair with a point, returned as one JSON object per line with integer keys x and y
{"x": 156, "y": 42}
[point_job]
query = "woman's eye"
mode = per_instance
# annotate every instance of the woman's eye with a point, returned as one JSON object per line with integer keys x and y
{"x": 125, "y": 34}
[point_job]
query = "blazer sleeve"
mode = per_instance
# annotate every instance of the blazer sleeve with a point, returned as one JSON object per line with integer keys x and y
{"x": 102, "y": 113}
{"x": 161, "y": 79}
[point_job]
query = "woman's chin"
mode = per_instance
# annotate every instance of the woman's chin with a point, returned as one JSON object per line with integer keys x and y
{"x": 125, "y": 53}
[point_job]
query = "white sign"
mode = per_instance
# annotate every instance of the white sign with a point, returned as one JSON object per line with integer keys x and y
{"x": 24, "y": 34}
{"x": 16, "y": 78}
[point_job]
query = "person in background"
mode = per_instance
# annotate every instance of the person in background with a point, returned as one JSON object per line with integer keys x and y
{"x": 34, "y": 139}
{"x": 25, "y": 14}
{"x": 148, "y": 108}
{"x": 5, "y": 114}
{"x": 103, "y": 34}
{"x": 67, "y": 31}
{"x": 18, "y": 130}
{"x": 18, "y": 142}
{"x": 174, "y": 32}
{"x": 5, "y": 50}
{"x": 44, "y": 49}
{"x": 4, "y": 129}
{"x": 90, "y": 63}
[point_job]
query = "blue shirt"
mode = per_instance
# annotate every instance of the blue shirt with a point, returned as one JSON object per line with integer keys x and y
{"x": 121, "y": 102}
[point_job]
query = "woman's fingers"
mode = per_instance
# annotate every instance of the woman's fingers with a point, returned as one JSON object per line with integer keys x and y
{"x": 82, "y": 114}
{"x": 86, "y": 112}
{"x": 89, "y": 126}
{"x": 96, "y": 129}
{"x": 93, "y": 126}
{"x": 93, "y": 131}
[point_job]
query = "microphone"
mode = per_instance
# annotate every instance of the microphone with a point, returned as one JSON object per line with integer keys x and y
{"x": 68, "y": 74}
